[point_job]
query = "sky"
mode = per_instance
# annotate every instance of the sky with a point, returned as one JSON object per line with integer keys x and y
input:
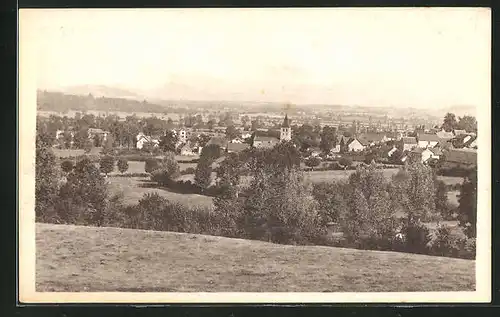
{"x": 423, "y": 58}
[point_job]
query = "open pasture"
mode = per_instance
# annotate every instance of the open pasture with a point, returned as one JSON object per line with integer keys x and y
{"x": 74, "y": 258}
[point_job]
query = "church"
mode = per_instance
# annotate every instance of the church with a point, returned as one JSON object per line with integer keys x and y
{"x": 269, "y": 142}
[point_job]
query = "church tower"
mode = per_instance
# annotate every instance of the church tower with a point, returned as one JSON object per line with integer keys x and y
{"x": 286, "y": 131}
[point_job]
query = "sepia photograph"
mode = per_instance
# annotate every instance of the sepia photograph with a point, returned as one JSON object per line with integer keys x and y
{"x": 255, "y": 155}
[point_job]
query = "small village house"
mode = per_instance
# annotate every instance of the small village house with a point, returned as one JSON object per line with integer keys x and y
{"x": 422, "y": 154}
{"x": 408, "y": 143}
{"x": 142, "y": 139}
{"x": 93, "y": 132}
{"x": 187, "y": 150}
{"x": 445, "y": 135}
{"x": 427, "y": 140}
{"x": 353, "y": 145}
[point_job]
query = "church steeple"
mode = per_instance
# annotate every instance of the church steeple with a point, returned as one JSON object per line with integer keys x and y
{"x": 286, "y": 131}
{"x": 286, "y": 122}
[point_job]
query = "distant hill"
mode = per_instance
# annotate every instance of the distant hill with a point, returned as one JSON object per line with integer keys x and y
{"x": 102, "y": 91}
{"x": 61, "y": 102}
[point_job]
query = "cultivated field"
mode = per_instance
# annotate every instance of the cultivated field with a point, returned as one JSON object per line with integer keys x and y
{"x": 73, "y": 258}
{"x": 133, "y": 189}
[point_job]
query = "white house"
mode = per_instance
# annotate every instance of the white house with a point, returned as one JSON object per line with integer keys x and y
{"x": 408, "y": 143}
{"x": 427, "y": 140}
{"x": 354, "y": 145}
{"x": 143, "y": 139}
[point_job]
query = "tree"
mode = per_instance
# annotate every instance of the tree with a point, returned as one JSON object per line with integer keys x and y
{"x": 107, "y": 164}
{"x": 210, "y": 152}
{"x": 83, "y": 199}
{"x": 354, "y": 221}
{"x": 88, "y": 145}
{"x": 97, "y": 140}
{"x": 108, "y": 143}
{"x": 228, "y": 174}
{"x": 280, "y": 208}
{"x": 441, "y": 199}
{"x": 255, "y": 125}
{"x": 345, "y": 162}
{"x": 151, "y": 165}
{"x": 46, "y": 182}
{"x": 170, "y": 166}
{"x": 203, "y": 174}
{"x": 122, "y": 165}
{"x": 331, "y": 202}
{"x": 449, "y": 122}
{"x": 232, "y": 133}
{"x": 305, "y": 137}
{"x": 203, "y": 140}
{"x": 211, "y": 123}
{"x": 414, "y": 192}
{"x": 168, "y": 142}
{"x": 67, "y": 166}
{"x": 328, "y": 139}
{"x": 467, "y": 123}
{"x": 467, "y": 208}
{"x": 313, "y": 162}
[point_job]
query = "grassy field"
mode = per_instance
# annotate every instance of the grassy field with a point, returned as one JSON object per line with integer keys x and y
{"x": 133, "y": 190}
{"x": 73, "y": 258}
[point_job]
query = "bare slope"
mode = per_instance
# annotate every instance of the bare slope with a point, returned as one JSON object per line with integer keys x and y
{"x": 73, "y": 258}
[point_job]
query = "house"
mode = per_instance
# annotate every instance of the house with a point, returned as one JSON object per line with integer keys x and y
{"x": 187, "y": 150}
{"x": 391, "y": 151}
{"x": 335, "y": 149}
{"x": 460, "y": 158}
{"x": 422, "y": 154}
{"x": 459, "y": 132}
{"x": 93, "y": 132}
{"x": 143, "y": 139}
{"x": 265, "y": 141}
{"x": 471, "y": 144}
{"x": 237, "y": 147}
{"x": 316, "y": 152}
{"x": 427, "y": 140}
{"x": 408, "y": 143}
{"x": 370, "y": 139}
{"x": 353, "y": 145}
{"x": 445, "y": 135}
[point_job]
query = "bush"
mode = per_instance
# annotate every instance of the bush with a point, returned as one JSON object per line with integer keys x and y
{"x": 189, "y": 170}
{"x": 345, "y": 162}
{"x": 67, "y": 166}
{"x": 417, "y": 238}
{"x": 122, "y": 165}
{"x": 447, "y": 244}
{"x": 107, "y": 164}
{"x": 151, "y": 165}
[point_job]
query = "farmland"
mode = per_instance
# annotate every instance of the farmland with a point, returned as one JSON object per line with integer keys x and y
{"x": 74, "y": 258}
{"x": 133, "y": 189}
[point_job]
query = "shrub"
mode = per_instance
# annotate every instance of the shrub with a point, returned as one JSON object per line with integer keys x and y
{"x": 189, "y": 170}
{"x": 417, "y": 238}
{"x": 447, "y": 244}
{"x": 107, "y": 164}
{"x": 67, "y": 166}
{"x": 151, "y": 165}
{"x": 122, "y": 165}
{"x": 345, "y": 162}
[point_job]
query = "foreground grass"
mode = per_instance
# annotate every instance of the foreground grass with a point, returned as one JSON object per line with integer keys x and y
{"x": 73, "y": 258}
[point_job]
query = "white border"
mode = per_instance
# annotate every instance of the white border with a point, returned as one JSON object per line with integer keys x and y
{"x": 27, "y": 294}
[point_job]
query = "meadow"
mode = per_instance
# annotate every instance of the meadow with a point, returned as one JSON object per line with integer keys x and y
{"x": 89, "y": 259}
